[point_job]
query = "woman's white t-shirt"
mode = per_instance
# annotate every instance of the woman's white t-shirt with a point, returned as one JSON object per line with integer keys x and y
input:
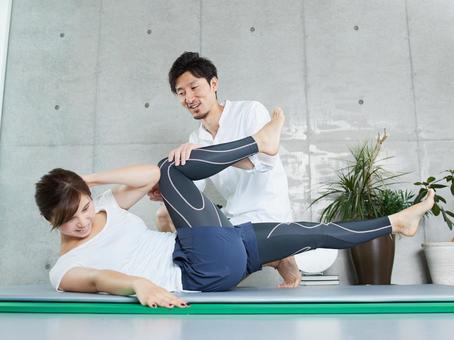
{"x": 126, "y": 245}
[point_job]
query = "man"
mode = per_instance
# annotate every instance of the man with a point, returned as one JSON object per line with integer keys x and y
{"x": 256, "y": 189}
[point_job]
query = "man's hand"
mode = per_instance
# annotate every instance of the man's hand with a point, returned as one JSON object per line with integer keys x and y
{"x": 155, "y": 194}
{"x": 152, "y": 295}
{"x": 182, "y": 153}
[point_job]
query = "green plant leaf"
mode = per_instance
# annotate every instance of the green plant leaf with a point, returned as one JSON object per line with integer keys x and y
{"x": 417, "y": 183}
{"x": 439, "y": 198}
{"x": 446, "y": 219}
{"x": 452, "y": 189}
{"x": 450, "y": 213}
{"x": 436, "y": 209}
{"x": 437, "y": 186}
{"x": 430, "y": 179}
{"x": 422, "y": 192}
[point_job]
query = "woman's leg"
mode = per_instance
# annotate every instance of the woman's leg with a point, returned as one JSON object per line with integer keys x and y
{"x": 189, "y": 207}
{"x": 276, "y": 241}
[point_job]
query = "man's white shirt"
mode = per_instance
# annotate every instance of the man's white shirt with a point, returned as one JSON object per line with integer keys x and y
{"x": 257, "y": 195}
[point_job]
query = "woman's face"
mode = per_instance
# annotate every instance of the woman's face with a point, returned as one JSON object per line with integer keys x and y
{"x": 81, "y": 224}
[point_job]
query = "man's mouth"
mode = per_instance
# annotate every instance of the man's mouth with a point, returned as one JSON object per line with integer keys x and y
{"x": 193, "y": 106}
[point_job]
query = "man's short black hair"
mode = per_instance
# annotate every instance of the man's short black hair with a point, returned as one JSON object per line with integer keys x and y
{"x": 192, "y": 62}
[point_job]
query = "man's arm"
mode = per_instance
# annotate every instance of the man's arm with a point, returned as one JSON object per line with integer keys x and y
{"x": 89, "y": 280}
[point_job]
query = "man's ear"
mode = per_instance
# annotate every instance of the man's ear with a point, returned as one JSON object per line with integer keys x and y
{"x": 214, "y": 83}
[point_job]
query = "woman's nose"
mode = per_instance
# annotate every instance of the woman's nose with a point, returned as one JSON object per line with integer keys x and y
{"x": 80, "y": 222}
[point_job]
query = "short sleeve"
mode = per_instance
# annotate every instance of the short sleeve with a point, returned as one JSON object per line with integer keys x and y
{"x": 106, "y": 199}
{"x": 62, "y": 266}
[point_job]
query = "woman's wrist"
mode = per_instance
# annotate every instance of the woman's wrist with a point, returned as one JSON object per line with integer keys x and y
{"x": 138, "y": 282}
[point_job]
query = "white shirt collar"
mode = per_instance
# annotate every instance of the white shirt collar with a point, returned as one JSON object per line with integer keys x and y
{"x": 204, "y": 134}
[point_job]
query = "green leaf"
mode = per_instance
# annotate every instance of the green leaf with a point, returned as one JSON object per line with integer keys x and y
{"x": 437, "y": 186}
{"x": 436, "y": 209}
{"x": 446, "y": 219}
{"x": 450, "y": 213}
{"x": 439, "y": 198}
{"x": 452, "y": 189}
{"x": 421, "y": 194}
{"x": 431, "y": 179}
{"x": 417, "y": 183}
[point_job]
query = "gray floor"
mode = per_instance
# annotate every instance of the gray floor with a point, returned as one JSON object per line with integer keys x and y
{"x": 231, "y": 327}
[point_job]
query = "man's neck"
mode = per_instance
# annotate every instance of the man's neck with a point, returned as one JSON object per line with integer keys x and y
{"x": 211, "y": 121}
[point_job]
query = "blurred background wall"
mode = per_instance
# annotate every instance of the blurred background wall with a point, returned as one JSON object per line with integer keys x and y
{"x": 86, "y": 89}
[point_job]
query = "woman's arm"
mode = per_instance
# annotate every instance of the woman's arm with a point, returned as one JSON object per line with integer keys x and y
{"x": 88, "y": 280}
{"x": 134, "y": 182}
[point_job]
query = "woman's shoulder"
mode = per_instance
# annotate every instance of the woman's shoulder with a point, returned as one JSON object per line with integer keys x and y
{"x": 106, "y": 200}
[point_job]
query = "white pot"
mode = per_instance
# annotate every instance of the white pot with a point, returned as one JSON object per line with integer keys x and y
{"x": 440, "y": 258}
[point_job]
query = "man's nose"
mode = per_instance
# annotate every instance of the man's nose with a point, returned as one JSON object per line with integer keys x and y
{"x": 189, "y": 97}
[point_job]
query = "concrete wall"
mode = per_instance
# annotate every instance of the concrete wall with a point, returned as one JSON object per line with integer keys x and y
{"x": 86, "y": 89}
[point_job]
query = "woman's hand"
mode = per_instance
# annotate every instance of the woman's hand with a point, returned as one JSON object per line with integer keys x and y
{"x": 152, "y": 295}
{"x": 182, "y": 153}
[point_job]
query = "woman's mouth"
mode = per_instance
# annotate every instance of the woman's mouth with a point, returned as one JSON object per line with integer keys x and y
{"x": 83, "y": 230}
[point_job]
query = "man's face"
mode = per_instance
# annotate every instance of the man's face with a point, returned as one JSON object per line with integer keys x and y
{"x": 196, "y": 94}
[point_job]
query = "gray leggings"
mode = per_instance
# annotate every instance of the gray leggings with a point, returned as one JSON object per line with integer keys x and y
{"x": 188, "y": 207}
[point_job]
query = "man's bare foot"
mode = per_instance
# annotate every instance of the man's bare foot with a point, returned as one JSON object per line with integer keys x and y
{"x": 268, "y": 137}
{"x": 289, "y": 271}
{"x": 406, "y": 222}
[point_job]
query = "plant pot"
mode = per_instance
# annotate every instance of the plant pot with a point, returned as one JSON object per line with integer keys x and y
{"x": 373, "y": 260}
{"x": 440, "y": 259}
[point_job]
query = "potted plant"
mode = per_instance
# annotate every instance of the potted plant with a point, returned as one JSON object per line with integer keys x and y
{"x": 439, "y": 255}
{"x": 361, "y": 191}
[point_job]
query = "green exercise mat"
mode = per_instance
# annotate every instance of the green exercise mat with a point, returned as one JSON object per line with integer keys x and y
{"x": 230, "y": 308}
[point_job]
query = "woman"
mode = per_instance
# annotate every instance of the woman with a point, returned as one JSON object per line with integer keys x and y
{"x": 104, "y": 248}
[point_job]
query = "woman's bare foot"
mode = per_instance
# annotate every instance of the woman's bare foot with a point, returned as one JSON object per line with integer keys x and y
{"x": 268, "y": 137}
{"x": 406, "y": 222}
{"x": 289, "y": 271}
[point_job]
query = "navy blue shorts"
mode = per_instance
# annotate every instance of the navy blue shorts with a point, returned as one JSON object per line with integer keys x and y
{"x": 215, "y": 258}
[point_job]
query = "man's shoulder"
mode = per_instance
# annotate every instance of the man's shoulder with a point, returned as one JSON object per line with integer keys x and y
{"x": 241, "y": 105}
{"x": 247, "y": 109}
